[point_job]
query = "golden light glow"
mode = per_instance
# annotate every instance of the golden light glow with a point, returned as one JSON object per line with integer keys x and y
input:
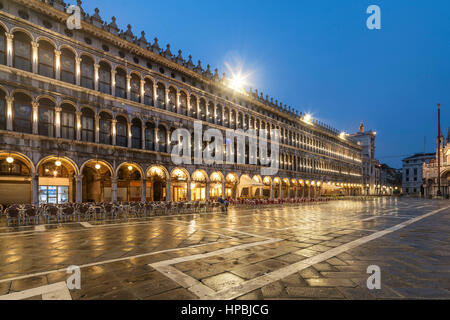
{"x": 58, "y": 163}
{"x": 98, "y": 166}
{"x": 308, "y": 118}
{"x": 10, "y": 160}
{"x": 342, "y": 135}
{"x": 130, "y": 168}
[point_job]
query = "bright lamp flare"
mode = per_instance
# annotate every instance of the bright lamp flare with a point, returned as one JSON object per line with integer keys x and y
{"x": 58, "y": 163}
{"x": 10, "y": 160}
{"x": 97, "y": 166}
{"x": 308, "y": 117}
{"x": 130, "y": 168}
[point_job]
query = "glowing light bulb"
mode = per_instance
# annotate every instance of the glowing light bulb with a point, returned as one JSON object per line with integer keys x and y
{"x": 58, "y": 163}
{"x": 130, "y": 168}
{"x": 97, "y": 166}
{"x": 10, "y": 160}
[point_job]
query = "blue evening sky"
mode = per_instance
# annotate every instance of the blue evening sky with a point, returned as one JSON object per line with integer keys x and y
{"x": 320, "y": 57}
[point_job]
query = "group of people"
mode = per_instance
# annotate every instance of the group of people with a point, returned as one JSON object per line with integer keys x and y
{"x": 225, "y": 203}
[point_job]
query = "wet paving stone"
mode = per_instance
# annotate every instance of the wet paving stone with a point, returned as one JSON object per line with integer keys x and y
{"x": 117, "y": 257}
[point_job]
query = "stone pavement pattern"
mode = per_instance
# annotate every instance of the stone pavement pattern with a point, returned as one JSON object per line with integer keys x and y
{"x": 270, "y": 253}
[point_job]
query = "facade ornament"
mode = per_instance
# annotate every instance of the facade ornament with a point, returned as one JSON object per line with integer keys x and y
{"x": 155, "y": 46}
{"x": 113, "y": 26}
{"x": 190, "y": 64}
{"x": 129, "y": 34}
{"x": 179, "y": 59}
{"x": 142, "y": 42}
{"x": 198, "y": 68}
{"x": 96, "y": 20}
{"x": 167, "y": 53}
{"x": 208, "y": 73}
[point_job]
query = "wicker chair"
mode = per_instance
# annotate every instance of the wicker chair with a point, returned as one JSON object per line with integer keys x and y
{"x": 31, "y": 213}
{"x": 12, "y": 214}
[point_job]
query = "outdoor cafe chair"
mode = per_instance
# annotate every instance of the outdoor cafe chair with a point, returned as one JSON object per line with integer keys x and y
{"x": 31, "y": 213}
{"x": 12, "y": 214}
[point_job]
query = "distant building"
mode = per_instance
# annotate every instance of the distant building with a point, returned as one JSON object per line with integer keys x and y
{"x": 430, "y": 170}
{"x": 371, "y": 166}
{"x": 390, "y": 180}
{"x": 412, "y": 173}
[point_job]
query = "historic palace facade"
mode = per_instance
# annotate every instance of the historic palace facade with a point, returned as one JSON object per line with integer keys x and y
{"x": 87, "y": 115}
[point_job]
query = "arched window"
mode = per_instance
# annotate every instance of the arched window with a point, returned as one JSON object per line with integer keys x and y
{"x": 135, "y": 91}
{"x": 193, "y": 107}
{"x": 121, "y": 83}
{"x": 67, "y": 122}
{"x": 67, "y": 66}
{"x": 148, "y": 92}
{"x": 150, "y": 136}
{"x": 87, "y": 125}
{"x": 202, "y": 114}
{"x": 136, "y": 134}
{"x": 219, "y": 115}
{"x": 233, "y": 119}
{"x": 211, "y": 112}
{"x": 122, "y": 132}
{"x": 239, "y": 123}
{"x": 87, "y": 72}
{"x": 105, "y": 133}
{"x": 22, "y": 113}
{"x": 2, "y": 111}
{"x": 161, "y": 96}
{"x": 22, "y": 51}
{"x": 183, "y": 103}
{"x": 104, "y": 78}
{"x": 245, "y": 122}
{"x": 226, "y": 118}
{"x": 2, "y": 46}
{"x": 46, "y": 59}
{"x": 162, "y": 139}
{"x": 46, "y": 123}
{"x": 172, "y": 99}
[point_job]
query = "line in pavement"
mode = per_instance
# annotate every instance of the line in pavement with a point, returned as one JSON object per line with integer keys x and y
{"x": 56, "y": 291}
{"x": 254, "y": 284}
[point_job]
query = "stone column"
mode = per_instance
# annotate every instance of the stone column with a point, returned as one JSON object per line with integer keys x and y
{"x": 189, "y": 191}
{"x": 177, "y": 103}
{"x": 129, "y": 135}
{"x": 97, "y": 129}
{"x": 113, "y": 129}
{"x": 77, "y": 71}
{"x": 35, "y": 189}
{"x": 224, "y": 193}
{"x": 96, "y": 76}
{"x": 144, "y": 190}
{"x": 9, "y": 112}
{"x": 208, "y": 189}
{"x": 57, "y": 65}
{"x": 35, "y": 126}
{"x": 58, "y": 122}
{"x": 142, "y": 91}
{"x": 9, "y": 49}
{"x": 155, "y": 95}
{"x": 280, "y": 190}
{"x": 166, "y": 99}
{"x": 303, "y": 192}
{"x": 34, "y": 56}
{"x": 309, "y": 192}
{"x": 114, "y": 189}
{"x": 128, "y": 88}
{"x": 79, "y": 189}
{"x": 198, "y": 109}
{"x": 156, "y": 139}
{"x": 271, "y": 191}
{"x": 169, "y": 191}
{"x": 143, "y": 136}
{"x": 78, "y": 125}
{"x": 113, "y": 82}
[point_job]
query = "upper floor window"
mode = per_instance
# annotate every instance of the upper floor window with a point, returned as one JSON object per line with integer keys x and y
{"x": 88, "y": 125}
{"x": 67, "y": 122}
{"x": 105, "y": 128}
{"x": 67, "y": 66}
{"x": 136, "y": 134}
{"x": 121, "y": 82}
{"x": 104, "y": 78}
{"x": 148, "y": 92}
{"x": 46, "y": 59}
{"x": 87, "y": 72}
{"x": 22, "y": 113}
{"x": 22, "y": 51}
{"x": 122, "y": 132}
{"x": 46, "y": 122}
{"x": 2, "y": 46}
{"x": 2, "y": 111}
{"x": 135, "y": 84}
